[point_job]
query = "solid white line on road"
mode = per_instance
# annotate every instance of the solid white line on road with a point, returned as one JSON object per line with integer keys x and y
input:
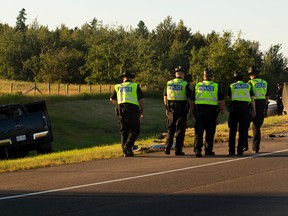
{"x": 137, "y": 177}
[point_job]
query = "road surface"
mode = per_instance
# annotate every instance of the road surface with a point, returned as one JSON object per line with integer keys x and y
{"x": 156, "y": 184}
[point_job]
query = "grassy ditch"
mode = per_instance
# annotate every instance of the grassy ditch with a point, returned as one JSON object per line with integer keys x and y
{"x": 85, "y": 128}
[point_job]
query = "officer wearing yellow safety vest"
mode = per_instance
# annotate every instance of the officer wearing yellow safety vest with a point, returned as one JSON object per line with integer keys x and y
{"x": 207, "y": 97}
{"x": 129, "y": 99}
{"x": 240, "y": 97}
{"x": 177, "y": 101}
{"x": 260, "y": 89}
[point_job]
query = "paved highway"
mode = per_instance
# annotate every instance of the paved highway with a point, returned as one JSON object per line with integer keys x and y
{"x": 155, "y": 184}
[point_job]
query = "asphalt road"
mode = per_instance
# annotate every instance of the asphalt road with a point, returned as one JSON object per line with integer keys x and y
{"x": 156, "y": 184}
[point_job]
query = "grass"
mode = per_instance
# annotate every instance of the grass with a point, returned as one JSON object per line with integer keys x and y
{"x": 85, "y": 128}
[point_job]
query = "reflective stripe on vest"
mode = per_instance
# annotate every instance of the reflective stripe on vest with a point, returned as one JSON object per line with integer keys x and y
{"x": 176, "y": 89}
{"x": 206, "y": 93}
{"x": 127, "y": 93}
{"x": 240, "y": 91}
{"x": 259, "y": 87}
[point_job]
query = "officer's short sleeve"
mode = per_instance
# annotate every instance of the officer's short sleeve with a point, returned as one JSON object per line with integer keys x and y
{"x": 114, "y": 95}
{"x": 220, "y": 94}
{"x": 188, "y": 91}
{"x": 140, "y": 93}
{"x": 193, "y": 93}
{"x": 165, "y": 92}
{"x": 229, "y": 91}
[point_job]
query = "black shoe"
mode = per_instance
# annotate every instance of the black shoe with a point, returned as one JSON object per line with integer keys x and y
{"x": 198, "y": 154}
{"x": 167, "y": 151}
{"x": 239, "y": 153}
{"x": 245, "y": 149}
{"x": 231, "y": 154}
{"x": 128, "y": 153}
{"x": 179, "y": 153}
{"x": 210, "y": 153}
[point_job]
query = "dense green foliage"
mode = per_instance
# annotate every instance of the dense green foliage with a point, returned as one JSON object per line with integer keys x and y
{"x": 97, "y": 53}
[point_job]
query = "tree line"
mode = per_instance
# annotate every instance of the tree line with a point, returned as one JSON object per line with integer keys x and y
{"x": 98, "y": 53}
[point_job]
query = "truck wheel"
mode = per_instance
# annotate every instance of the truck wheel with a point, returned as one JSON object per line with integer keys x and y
{"x": 23, "y": 152}
{"x": 44, "y": 148}
{"x": 3, "y": 154}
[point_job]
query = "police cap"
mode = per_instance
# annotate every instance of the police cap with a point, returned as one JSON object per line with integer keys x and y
{"x": 127, "y": 74}
{"x": 253, "y": 70}
{"x": 179, "y": 69}
{"x": 208, "y": 72}
{"x": 238, "y": 74}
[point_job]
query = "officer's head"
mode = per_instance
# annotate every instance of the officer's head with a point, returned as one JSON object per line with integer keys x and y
{"x": 208, "y": 74}
{"x": 179, "y": 72}
{"x": 126, "y": 75}
{"x": 253, "y": 71}
{"x": 238, "y": 75}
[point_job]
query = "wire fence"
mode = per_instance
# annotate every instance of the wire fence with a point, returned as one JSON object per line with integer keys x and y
{"x": 30, "y": 88}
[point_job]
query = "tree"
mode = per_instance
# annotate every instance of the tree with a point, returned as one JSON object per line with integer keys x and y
{"x": 275, "y": 67}
{"x": 180, "y": 50}
{"x": 20, "y": 21}
{"x": 142, "y": 30}
{"x": 162, "y": 39}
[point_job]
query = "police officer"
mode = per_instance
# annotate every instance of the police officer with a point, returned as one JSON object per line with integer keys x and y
{"x": 260, "y": 89}
{"x": 240, "y": 95}
{"x": 177, "y": 101}
{"x": 129, "y": 99}
{"x": 207, "y": 97}
{"x": 279, "y": 99}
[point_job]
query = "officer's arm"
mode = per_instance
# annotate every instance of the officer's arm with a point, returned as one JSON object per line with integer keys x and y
{"x": 222, "y": 106}
{"x": 113, "y": 97}
{"x": 141, "y": 105}
{"x": 165, "y": 101}
{"x": 113, "y": 101}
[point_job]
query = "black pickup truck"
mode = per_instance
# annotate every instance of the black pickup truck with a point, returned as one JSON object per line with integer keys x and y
{"x": 24, "y": 128}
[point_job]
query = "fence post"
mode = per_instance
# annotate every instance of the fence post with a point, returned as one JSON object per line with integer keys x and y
{"x": 11, "y": 88}
{"x": 58, "y": 88}
{"x": 79, "y": 88}
{"x": 49, "y": 88}
{"x": 100, "y": 88}
{"x": 90, "y": 88}
{"x": 67, "y": 89}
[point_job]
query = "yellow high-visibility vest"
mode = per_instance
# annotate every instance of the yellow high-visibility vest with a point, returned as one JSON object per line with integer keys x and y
{"x": 206, "y": 92}
{"x": 259, "y": 87}
{"x": 176, "y": 89}
{"x": 240, "y": 91}
{"x": 127, "y": 93}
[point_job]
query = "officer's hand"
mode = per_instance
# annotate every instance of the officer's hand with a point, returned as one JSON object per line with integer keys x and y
{"x": 222, "y": 111}
{"x": 167, "y": 113}
{"x": 141, "y": 114}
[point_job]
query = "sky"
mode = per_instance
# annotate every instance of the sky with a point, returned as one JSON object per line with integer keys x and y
{"x": 264, "y": 21}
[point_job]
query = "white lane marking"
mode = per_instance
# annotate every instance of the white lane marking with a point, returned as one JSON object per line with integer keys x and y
{"x": 137, "y": 177}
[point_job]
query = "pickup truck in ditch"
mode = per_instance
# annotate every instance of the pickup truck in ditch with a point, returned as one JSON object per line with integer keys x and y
{"x": 24, "y": 128}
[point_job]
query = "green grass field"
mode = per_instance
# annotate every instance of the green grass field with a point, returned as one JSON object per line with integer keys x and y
{"x": 85, "y": 123}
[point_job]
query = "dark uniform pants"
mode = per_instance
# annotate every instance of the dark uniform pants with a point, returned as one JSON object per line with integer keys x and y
{"x": 129, "y": 123}
{"x": 279, "y": 106}
{"x": 256, "y": 127}
{"x": 205, "y": 117}
{"x": 239, "y": 117}
{"x": 176, "y": 124}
